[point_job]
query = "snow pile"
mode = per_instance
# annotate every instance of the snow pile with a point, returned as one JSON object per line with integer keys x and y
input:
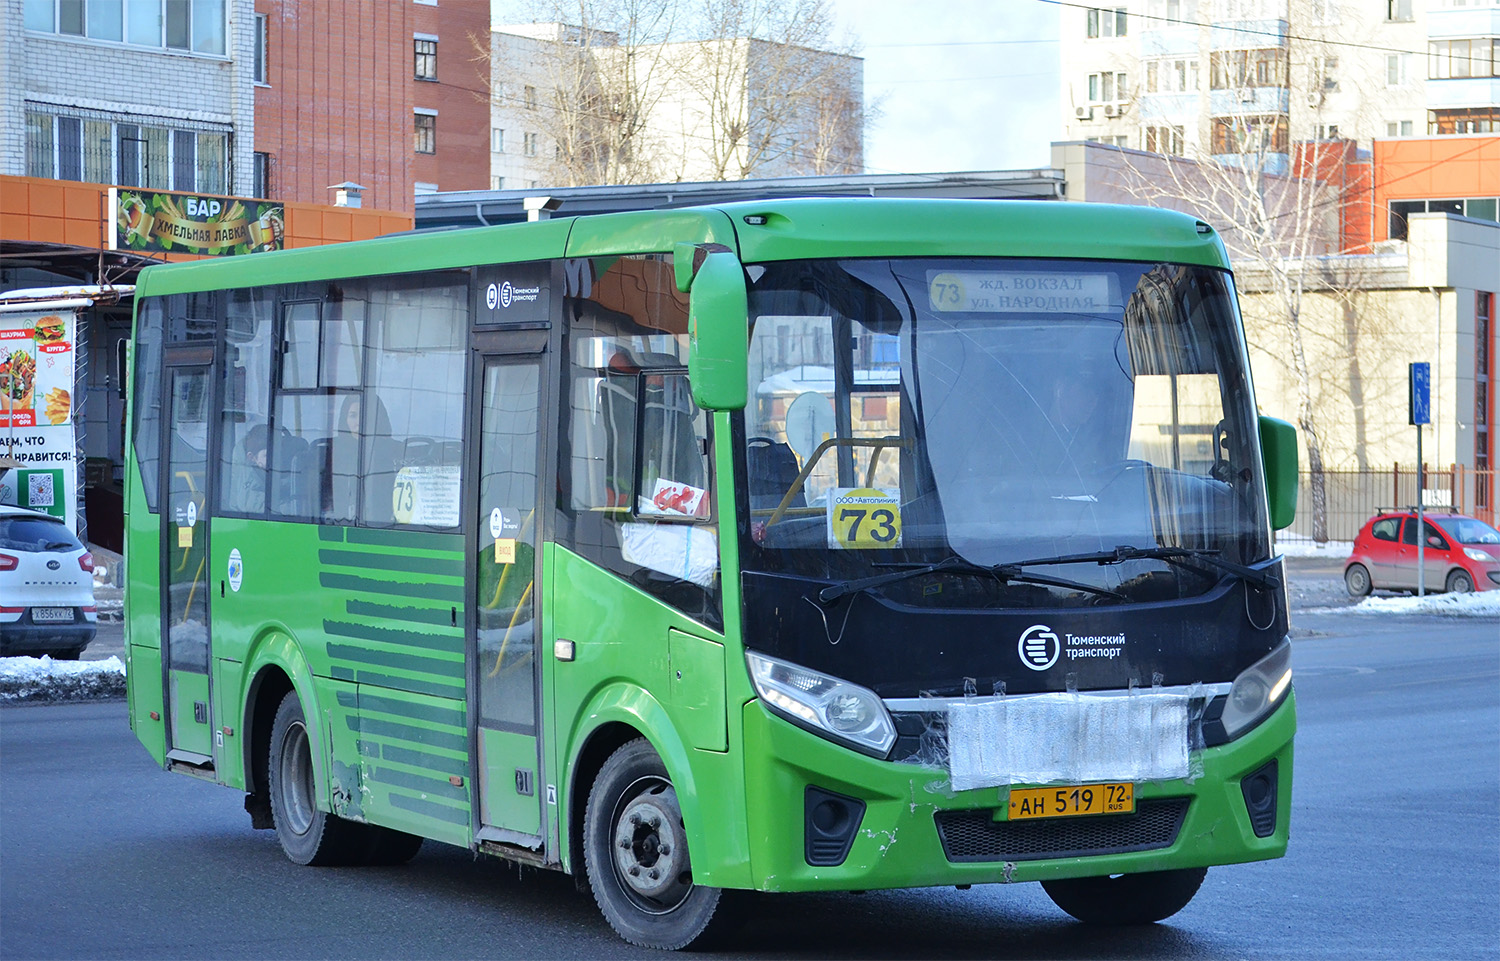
{"x": 1478, "y": 604}
{"x": 1292, "y": 545}
{"x": 43, "y": 679}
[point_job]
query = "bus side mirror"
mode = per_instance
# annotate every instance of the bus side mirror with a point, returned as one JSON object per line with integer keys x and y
{"x": 1278, "y": 449}
{"x": 718, "y": 325}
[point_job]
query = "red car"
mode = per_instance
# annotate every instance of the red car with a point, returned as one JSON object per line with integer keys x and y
{"x": 1462, "y": 554}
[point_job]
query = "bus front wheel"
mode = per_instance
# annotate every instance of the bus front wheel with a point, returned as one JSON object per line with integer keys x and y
{"x": 636, "y": 855}
{"x": 307, "y": 835}
{"x": 1126, "y": 898}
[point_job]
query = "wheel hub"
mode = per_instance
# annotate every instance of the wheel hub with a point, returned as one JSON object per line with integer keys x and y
{"x": 649, "y": 847}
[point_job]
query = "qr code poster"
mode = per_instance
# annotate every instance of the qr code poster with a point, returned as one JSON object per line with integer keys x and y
{"x": 42, "y": 491}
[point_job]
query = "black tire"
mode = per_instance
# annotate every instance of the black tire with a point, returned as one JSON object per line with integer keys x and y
{"x": 1459, "y": 582}
{"x": 307, "y": 835}
{"x": 636, "y": 855}
{"x": 1357, "y": 580}
{"x": 1126, "y": 898}
{"x": 72, "y": 654}
{"x": 389, "y": 847}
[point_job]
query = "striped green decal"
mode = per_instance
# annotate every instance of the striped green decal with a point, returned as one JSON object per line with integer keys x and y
{"x": 394, "y": 627}
{"x": 401, "y": 594}
{"x": 409, "y": 749}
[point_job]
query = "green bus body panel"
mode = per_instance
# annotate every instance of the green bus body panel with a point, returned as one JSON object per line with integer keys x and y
{"x": 503, "y": 753}
{"x": 188, "y": 733}
{"x": 648, "y": 231}
{"x": 144, "y": 694}
{"x": 897, "y": 844}
{"x": 821, "y": 229}
{"x": 407, "y": 747}
{"x": 695, "y": 686}
{"x": 229, "y": 758}
{"x": 436, "y": 250}
{"x": 623, "y": 655}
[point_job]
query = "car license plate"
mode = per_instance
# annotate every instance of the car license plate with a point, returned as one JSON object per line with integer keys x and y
{"x": 52, "y": 615}
{"x": 1072, "y": 801}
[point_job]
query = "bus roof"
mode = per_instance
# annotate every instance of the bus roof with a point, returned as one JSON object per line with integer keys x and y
{"x": 760, "y": 231}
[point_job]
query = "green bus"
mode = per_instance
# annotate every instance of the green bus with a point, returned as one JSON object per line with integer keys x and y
{"x": 781, "y": 546}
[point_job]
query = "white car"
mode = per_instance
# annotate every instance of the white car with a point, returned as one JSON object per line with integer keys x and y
{"x": 46, "y": 587}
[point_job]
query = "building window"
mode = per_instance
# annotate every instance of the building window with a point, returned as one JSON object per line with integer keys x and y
{"x": 1328, "y": 131}
{"x": 426, "y": 132}
{"x": 193, "y": 25}
{"x": 98, "y": 148}
{"x": 497, "y": 183}
{"x": 260, "y": 185}
{"x": 497, "y": 140}
{"x": 1395, "y": 69}
{"x": 529, "y": 145}
{"x": 1106, "y": 22}
{"x": 1171, "y": 76}
{"x": 1457, "y": 59}
{"x": 260, "y": 52}
{"x": 1250, "y": 135}
{"x": 1107, "y": 87}
{"x": 529, "y": 96}
{"x": 1464, "y": 120}
{"x": 1165, "y": 139}
{"x": 425, "y": 59}
{"x": 1398, "y": 9}
{"x": 1237, "y": 69}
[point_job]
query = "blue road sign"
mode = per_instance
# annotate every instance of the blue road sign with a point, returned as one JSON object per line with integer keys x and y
{"x": 1420, "y": 378}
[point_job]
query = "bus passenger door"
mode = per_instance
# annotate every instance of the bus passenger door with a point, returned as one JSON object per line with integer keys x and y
{"x": 506, "y": 627}
{"x": 186, "y": 479}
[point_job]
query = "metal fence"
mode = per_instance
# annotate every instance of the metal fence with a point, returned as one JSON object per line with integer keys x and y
{"x": 1354, "y": 496}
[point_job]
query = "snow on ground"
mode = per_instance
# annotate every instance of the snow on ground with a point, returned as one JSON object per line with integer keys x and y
{"x": 43, "y": 679}
{"x": 1478, "y": 604}
{"x": 1292, "y": 546}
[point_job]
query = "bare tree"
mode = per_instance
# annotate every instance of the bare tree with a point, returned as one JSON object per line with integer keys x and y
{"x": 630, "y": 91}
{"x": 780, "y": 96}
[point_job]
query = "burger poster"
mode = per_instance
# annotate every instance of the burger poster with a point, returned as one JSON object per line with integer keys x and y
{"x": 36, "y": 410}
{"x": 157, "y": 221}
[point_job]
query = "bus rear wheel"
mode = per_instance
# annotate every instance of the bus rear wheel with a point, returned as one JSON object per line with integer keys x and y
{"x": 1126, "y": 898}
{"x": 307, "y": 835}
{"x": 636, "y": 855}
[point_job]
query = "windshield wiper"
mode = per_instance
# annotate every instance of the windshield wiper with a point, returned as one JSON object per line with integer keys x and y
{"x": 1179, "y": 556}
{"x": 1005, "y": 573}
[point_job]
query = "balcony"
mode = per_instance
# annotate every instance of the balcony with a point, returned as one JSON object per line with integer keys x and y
{"x": 1461, "y": 92}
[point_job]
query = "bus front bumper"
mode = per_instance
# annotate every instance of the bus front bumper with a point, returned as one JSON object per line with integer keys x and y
{"x": 914, "y": 831}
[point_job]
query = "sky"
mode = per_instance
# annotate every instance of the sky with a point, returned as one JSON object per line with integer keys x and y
{"x": 954, "y": 84}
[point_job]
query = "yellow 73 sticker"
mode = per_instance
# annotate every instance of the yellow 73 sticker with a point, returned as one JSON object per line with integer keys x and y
{"x": 864, "y": 518}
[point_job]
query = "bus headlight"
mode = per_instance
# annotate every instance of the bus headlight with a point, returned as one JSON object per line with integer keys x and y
{"x": 1258, "y": 690}
{"x": 836, "y": 709}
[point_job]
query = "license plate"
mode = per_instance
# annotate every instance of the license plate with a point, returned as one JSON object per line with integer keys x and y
{"x": 1075, "y": 800}
{"x": 52, "y": 615}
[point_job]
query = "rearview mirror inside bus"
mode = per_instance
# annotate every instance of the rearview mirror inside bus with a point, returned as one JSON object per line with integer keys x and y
{"x": 718, "y": 333}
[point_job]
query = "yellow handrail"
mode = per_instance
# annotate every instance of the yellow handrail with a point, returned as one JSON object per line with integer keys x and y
{"x": 879, "y": 443}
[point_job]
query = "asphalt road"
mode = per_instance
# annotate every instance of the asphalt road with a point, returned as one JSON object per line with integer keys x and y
{"x": 1395, "y": 849}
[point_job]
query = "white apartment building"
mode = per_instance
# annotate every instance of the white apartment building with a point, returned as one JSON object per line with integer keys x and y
{"x": 150, "y": 93}
{"x": 1225, "y": 78}
{"x": 570, "y": 108}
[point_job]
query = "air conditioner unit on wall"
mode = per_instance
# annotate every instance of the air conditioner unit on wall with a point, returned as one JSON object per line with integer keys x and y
{"x": 1111, "y": 110}
{"x": 1084, "y": 113}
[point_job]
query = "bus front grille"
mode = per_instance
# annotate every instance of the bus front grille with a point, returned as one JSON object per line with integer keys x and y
{"x": 970, "y": 836}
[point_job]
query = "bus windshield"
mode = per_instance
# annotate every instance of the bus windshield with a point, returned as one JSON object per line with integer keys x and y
{"x": 975, "y": 413}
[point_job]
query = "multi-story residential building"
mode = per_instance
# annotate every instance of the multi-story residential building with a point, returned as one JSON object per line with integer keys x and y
{"x": 571, "y": 107}
{"x": 150, "y": 93}
{"x": 1227, "y": 78}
